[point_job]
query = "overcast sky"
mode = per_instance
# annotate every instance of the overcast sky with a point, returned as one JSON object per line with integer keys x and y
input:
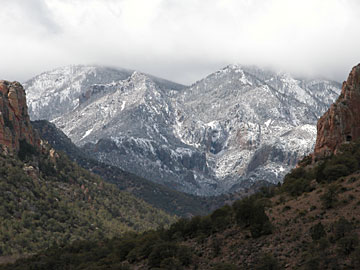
{"x": 181, "y": 40}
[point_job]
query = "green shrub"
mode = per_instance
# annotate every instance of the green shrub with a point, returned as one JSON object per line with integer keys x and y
{"x": 267, "y": 262}
{"x": 178, "y": 229}
{"x": 312, "y": 262}
{"x": 296, "y": 186}
{"x": 124, "y": 247}
{"x": 251, "y": 213}
{"x": 171, "y": 263}
{"x": 206, "y": 225}
{"x": 339, "y": 165}
{"x": 286, "y": 208}
{"x": 347, "y": 244}
{"x": 341, "y": 228}
{"x": 221, "y": 218}
{"x": 244, "y": 211}
{"x": 225, "y": 266}
{"x": 193, "y": 226}
{"x": 317, "y": 231}
{"x": 26, "y": 150}
{"x": 348, "y": 160}
{"x": 355, "y": 258}
{"x": 297, "y": 181}
{"x": 319, "y": 171}
{"x": 307, "y": 160}
{"x": 330, "y": 197}
{"x": 184, "y": 255}
{"x": 333, "y": 172}
{"x": 296, "y": 173}
{"x": 167, "y": 253}
{"x": 261, "y": 228}
{"x": 160, "y": 252}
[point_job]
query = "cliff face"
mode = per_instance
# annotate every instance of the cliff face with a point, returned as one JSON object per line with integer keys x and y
{"x": 14, "y": 119}
{"x": 341, "y": 122}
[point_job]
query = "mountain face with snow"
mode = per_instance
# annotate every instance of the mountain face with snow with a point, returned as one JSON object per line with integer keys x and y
{"x": 236, "y": 126}
{"x": 54, "y": 93}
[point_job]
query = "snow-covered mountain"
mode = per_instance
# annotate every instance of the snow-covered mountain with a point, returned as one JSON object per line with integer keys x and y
{"x": 54, "y": 93}
{"x": 236, "y": 126}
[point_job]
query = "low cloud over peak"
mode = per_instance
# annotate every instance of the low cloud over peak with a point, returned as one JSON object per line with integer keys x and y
{"x": 180, "y": 40}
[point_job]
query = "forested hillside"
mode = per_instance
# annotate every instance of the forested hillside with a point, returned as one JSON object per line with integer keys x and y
{"x": 46, "y": 199}
{"x": 310, "y": 222}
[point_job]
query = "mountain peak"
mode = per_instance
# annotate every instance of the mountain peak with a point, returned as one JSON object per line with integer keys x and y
{"x": 233, "y": 67}
{"x": 140, "y": 77}
{"x": 341, "y": 122}
{"x": 138, "y": 74}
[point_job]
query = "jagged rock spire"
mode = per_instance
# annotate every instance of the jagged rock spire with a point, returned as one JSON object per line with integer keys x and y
{"x": 14, "y": 119}
{"x": 341, "y": 122}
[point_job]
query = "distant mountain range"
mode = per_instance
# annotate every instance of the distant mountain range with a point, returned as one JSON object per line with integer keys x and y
{"x": 237, "y": 126}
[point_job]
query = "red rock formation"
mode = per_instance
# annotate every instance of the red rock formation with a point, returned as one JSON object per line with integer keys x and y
{"x": 341, "y": 122}
{"x": 14, "y": 119}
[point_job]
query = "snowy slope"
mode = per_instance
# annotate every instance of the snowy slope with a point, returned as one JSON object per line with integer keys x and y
{"x": 54, "y": 93}
{"x": 238, "y": 125}
{"x": 252, "y": 123}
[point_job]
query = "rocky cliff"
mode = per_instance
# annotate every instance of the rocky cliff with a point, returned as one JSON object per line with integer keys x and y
{"x": 341, "y": 122}
{"x": 14, "y": 119}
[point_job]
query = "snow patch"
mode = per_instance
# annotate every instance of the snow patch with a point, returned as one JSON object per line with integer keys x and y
{"x": 87, "y": 133}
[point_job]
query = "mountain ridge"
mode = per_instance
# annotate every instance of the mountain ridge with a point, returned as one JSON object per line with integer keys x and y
{"x": 71, "y": 87}
{"x": 207, "y": 138}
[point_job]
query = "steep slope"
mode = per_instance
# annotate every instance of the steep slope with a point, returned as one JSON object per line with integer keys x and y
{"x": 45, "y": 199}
{"x": 54, "y": 93}
{"x": 14, "y": 119}
{"x": 159, "y": 196}
{"x": 342, "y": 121}
{"x": 133, "y": 130}
{"x": 252, "y": 123}
{"x": 236, "y": 126}
{"x": 305, "y": 234}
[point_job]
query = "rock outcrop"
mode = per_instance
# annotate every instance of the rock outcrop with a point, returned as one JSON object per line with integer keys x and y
{"x": 341, "y": 122}
{"x": 14, "y": 119}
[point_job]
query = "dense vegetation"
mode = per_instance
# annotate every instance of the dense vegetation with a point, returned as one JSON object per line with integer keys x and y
{"x": 309, "y": 222}
{"x": 326, "y": 170}
{"x": 47, "y": 200}
{"x": 160, "y": 249}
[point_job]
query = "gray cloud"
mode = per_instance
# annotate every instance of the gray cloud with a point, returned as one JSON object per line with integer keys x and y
{"x": 33, "y": 14}
{"x": 180, "y": 40}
